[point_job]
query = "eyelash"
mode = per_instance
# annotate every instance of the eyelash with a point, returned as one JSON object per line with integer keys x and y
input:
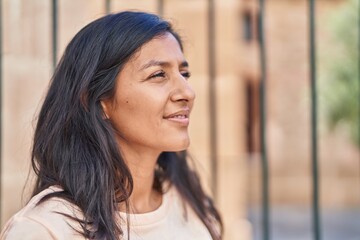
{"x": 161, "y": 74}
{"x": 158, "y": 75}
{"x": 186, "y": 74}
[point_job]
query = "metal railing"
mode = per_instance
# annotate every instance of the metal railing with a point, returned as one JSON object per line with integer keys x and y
{"x": 262, "y": 107}
{"x": 54, "y": 29}
{"x": 314, "y": 135}
{"x": 212, "y": 95}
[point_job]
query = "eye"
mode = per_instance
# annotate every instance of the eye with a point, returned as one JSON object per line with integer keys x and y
{"x": 186, "y": 74}
{"x": 159, "y": 74}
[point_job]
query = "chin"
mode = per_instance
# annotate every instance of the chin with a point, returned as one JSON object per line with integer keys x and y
{"x": 181, "y": 146}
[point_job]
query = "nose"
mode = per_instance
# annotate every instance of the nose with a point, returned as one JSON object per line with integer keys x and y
{"x": 182, "y": 90}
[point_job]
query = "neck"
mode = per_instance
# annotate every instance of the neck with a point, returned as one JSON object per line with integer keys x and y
{"x": 144, "y": 198}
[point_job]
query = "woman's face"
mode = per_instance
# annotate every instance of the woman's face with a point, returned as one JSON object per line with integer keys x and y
{"x": 153, "y": 98}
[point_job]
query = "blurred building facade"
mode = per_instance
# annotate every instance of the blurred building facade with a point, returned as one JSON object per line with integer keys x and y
{"x": 27, "y": 69}
{"x": 288, "y": 107}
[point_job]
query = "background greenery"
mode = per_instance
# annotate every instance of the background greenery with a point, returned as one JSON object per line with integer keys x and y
{"x": 340, "y": 80}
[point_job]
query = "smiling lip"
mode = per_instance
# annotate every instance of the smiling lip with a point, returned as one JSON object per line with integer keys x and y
{"x": 181, "y": 117}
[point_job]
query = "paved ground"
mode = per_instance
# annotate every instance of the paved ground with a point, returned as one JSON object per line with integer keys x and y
{"x": 290, "y": 223}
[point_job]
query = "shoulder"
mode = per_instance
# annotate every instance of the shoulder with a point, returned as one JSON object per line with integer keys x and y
{"x": 26, "y": 228}
{"x": 44, "y": 220}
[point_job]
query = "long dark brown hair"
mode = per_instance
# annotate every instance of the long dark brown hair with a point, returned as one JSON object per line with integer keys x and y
{"x": 74, "y": 145}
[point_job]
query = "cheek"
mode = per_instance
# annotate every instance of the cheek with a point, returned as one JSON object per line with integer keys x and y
{"x": 140, "y": 107}
{"x": 138, "y": 111}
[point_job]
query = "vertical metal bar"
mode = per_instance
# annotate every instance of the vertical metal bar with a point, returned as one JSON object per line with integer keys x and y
{"x": 160, "y": 7}
{"x": 107, "y": 6}
{"x": 1, "y": 84}
{"x": 265, "y": 167}
{"x": 212, "y": 95}
{"x": 54, "y": 11}
{"x": 314, "y": 144}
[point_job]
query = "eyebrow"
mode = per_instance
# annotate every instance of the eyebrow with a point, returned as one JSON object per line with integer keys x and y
{"x": 153, "y": 63}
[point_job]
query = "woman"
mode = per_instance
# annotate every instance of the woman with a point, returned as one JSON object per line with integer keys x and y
{"x": 109, "y": 146}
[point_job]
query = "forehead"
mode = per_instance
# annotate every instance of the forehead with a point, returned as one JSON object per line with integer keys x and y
{"x": 161, "y": 48}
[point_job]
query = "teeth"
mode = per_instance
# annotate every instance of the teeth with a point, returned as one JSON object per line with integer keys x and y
{"x": 180, "y": 116}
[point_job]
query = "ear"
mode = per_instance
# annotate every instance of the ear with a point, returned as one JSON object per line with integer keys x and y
{"x": 106, "y": 106}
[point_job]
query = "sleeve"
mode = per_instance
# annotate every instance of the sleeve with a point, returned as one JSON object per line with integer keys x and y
{"x": 26, "y": 229}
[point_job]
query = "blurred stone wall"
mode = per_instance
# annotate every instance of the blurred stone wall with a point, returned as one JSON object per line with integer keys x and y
{"x": 288, "y": 111}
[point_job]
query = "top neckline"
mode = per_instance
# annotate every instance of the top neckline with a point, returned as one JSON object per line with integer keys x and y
{"x": 140, "y": 219}
{"x": 136, "y": 219}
